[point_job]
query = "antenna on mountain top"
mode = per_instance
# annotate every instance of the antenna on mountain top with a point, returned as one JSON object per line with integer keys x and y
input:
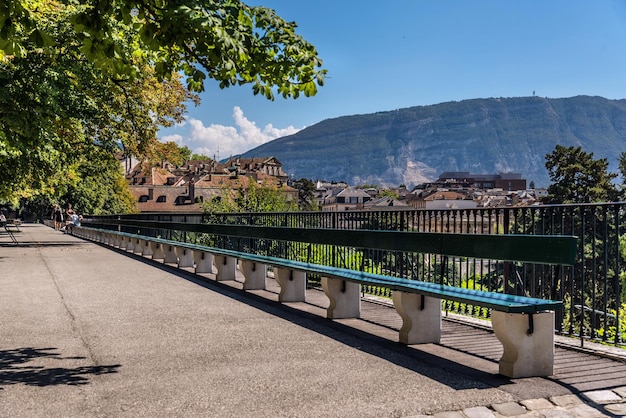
{"x": 533, "y": 92}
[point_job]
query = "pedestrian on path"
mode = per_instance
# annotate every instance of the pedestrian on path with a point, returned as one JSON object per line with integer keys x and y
{"x": 57, "y": 217}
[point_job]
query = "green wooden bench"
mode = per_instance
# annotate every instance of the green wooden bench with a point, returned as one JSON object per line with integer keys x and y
{"x": 524, "y": 325}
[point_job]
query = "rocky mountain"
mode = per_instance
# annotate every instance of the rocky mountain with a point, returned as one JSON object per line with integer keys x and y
{"x": 483, "y": 136}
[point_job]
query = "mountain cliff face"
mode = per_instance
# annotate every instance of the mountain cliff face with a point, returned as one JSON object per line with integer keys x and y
{"x": 483, "y": 136}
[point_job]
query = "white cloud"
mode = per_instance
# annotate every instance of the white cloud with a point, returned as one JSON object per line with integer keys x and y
{"x": 223, "y": 141}
{"x": 178, "y": 139}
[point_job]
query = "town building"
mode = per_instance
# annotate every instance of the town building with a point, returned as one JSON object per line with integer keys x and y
{"x": 504, "y": 181}
{"x": 441, "y": 199}
{"x": 168, "y": 188}
{"x": 348, "y": 198}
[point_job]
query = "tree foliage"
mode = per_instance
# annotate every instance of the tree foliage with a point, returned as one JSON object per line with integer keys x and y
{"x": 57, "y": 109}
{"x": 306, "y": 194}
{"x": 390, "y": 193}
{"x": 578, "y": 178}
{"x": 252, "y": 197}
{"x": 80, "y": 76}
{"x": 622, "y": 171}
{"x": 199, "y": 157}
{"x": 226, "y": 40}
{"x": 101, "y": 188}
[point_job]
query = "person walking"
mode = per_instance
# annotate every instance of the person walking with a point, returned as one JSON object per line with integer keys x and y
{"x": 57, "y": 217}
{"x": 69, "y": 215}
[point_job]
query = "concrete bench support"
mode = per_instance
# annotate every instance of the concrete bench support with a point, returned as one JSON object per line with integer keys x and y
{"x": 254, "y": 273}
{"x": 421, "y": 317}
{"x": 123, "y": 243}
{"x": 203, "y": 261}
{"x": 137, "y": 247}
{"x": 157, "y": 250}
{"x": 185, "y": 257}
{"x": 146, "y": 249}
{"x": 130, "y": 245}
{"x": 116, "y": 240}
{"x": 344, "y": 297}
{"x": 292, "y": 284}
{"x": 170, "y": 256}
{"x": 525, "y": 354}
{"x": 226, "y": 267}
{"x": 110, "y": 239}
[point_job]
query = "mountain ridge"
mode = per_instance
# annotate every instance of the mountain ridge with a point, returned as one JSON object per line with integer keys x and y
{"x": 483, "y": 136}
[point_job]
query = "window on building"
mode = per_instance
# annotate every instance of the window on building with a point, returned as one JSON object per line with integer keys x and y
{"x": 161, "y": 199}
{"x": 143, "y": 198}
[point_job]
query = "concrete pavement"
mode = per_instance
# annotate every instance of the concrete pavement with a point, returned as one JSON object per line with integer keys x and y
{"x": 87, "y": 331}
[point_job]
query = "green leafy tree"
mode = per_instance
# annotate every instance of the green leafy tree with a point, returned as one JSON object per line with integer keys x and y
{"x": 56, "y": 108}
{"x": 578, "y": 177}
{"x": 390, "y": 193}
{"x": 367, "y": 186}
{"x": 79, "y": 74}
{"x": 250, "y": 197}
{"x": 306, "y": 194}
{"x": 199, "y": 157}
{"x": 101, "y": 188}
{"x": 226, "y": 40}
{"x": 185, "y": 152}
{"x": 266, "y": 198}
{"x": 622, "y": 171}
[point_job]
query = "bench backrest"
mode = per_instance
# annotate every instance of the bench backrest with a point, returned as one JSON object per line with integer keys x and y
{"x": 540, "y": 249}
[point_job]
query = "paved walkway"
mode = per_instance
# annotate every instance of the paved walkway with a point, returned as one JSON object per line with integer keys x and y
{"x": 87, "y": 331}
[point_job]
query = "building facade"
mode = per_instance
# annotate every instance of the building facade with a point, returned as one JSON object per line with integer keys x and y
{"x": 169, "y": 188}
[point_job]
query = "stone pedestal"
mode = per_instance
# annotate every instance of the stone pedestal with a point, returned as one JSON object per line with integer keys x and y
{"x": 146, "y": 249}
{"x": 254, "y": 273}
{"x": 185, "y": 257}
{"x": 421, "y": 319}
{"x": 344, "y": 297}
{"x": 525, "y": 354}
{"x": 157, "y": 250}
{"x": 292, "y": 284}
{"x": 225, "y": 266}
{"x": 137, "y": 247}
{"x": 116, "y": 240}
{"x": 203, "y": 261}
{"x": 169, "y": 254}
{"x": 130, "y": 246}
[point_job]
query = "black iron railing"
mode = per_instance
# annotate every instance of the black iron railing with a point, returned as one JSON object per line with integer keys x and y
{"x": 592, "y": 291}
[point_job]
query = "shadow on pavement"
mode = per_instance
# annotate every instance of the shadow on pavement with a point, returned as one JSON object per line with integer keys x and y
{"x": 14, "y": 368}
{"x": 450, "y": 373}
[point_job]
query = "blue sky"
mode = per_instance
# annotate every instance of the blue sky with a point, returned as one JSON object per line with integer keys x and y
{"x": 385, "y": 55}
